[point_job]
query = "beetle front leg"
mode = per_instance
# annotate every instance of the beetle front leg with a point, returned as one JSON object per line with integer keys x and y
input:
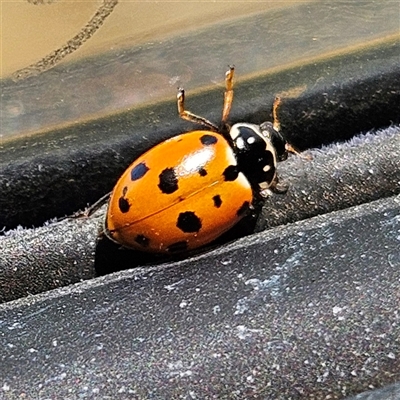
{"x": 188, "y": 116}
{"x": 228, "y": 95}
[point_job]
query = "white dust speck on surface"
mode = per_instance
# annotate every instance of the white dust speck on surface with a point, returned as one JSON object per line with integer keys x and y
{"x": 337, "y": 310}
{"x": 216, "y": 309}
{"x": 5, "y": 387}
{"x": 250, "y": 379}
{"x": 241, "y": 306}
{"x": 242, "y": 332}
{"x": 174, "y": 286}
{"x": 183, "y": 304}
{"x": 178, "y": 368}
{"x": 32, "y": 350}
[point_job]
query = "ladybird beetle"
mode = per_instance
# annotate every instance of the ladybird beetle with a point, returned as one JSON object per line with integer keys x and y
{"x": 190, "y": 189}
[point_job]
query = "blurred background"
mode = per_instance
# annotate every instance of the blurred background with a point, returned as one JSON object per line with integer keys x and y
{"x": 64, "y": 62}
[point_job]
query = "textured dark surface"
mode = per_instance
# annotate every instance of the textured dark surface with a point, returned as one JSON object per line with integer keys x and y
{"x": 302, "y": 311}
{"x": 36, "y": 260}
{"x": 340, "y": 176}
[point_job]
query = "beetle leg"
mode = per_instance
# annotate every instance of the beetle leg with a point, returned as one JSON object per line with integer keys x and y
{"x": 275, "y": 106}
{"x": 228, "y": 95}
{"x": 275, "y": 186}
{"x": 291, "y": 149}
{"x": 277, "y": 126}
{"x": 188, "y": 116}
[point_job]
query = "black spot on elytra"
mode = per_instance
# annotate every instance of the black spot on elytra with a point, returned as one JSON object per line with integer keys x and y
{"x": 188, "y": 222}
{"x": 243, "y": 209}
{"x": 177, "y": 247}
{"x": 202, "y": 172}
{"x": 231, "y": 173}
{"x": 208, "y": 140}
{"x": 217, "y": 201}
{"x": 168, "y": 181}
{"x": 123, "y": 204}
{"x": 139, "y": 171}
{"x": 142, "y": 240}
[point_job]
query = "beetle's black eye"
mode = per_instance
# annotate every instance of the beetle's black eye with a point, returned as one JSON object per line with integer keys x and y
{"x": 276, "y": 139}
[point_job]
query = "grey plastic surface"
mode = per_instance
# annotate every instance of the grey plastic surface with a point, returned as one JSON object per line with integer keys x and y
{"x": 389, "y": 392}
{"x": 306, "y": 310}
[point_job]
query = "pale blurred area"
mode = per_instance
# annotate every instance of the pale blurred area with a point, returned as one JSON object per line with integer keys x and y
{"x": 31, "y": 30}
{"x": 67, "y": 62}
